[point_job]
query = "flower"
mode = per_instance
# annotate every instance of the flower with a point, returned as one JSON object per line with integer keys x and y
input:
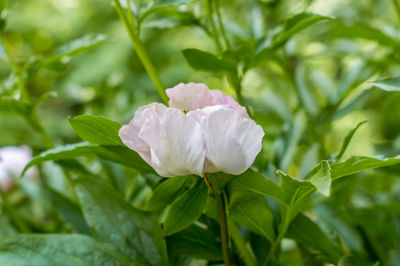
{"x": 202, "y": 131}
{"x": 12, "y": 162}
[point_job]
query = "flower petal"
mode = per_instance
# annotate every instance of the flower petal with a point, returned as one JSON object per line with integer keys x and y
{"x": 176, "y": 142}
{"x": 232, "y": 141}
{"x": 189, "y": 96}
{"x": 129, "y": 133}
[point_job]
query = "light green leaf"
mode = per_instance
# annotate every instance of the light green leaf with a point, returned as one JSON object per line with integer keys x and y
{"x": 256, "y": 182}
{"x": 305, "y": 231}
{"x": 114, "y": 221}
{"x": 57, "y": 250}
{"x": 389, "y": 84}
{"x": 204, "y": 61}
{"x": 357, "y": 164}
{"x": 166, "y": 192}
{"x": 186, "y": 209}
{"x": 96, "y": 129}
{"x": 306, "y": 95}
{"x": 347, "y": 140}
{"x": 320, "y": 177}
{"x": 195, "y": 242}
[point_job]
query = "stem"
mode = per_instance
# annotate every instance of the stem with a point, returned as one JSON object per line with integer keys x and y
{"x": 277, "y": 241}
{"x": 141, "y": 52}
{"x": 221, "y": 25}
{"x": 397, "y": 7}
{"x": 214, "y": 31}
{"x": 223, "y": 227}
{"x": 244, "y": 251}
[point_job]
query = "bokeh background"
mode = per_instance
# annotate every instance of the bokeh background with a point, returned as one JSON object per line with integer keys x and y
{"x": 334, "y": 60}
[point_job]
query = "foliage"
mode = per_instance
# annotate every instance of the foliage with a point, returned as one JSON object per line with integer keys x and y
{"x": 321, "y": 77}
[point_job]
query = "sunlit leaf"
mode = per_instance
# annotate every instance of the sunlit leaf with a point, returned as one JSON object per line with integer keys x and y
{"x": 389, "y": 84}
{"x": 347, "y": 140}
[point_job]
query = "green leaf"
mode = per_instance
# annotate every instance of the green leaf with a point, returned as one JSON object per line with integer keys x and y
{"x": 81, "y": 45}
{"x": 204, "y": 61}
{"x": 166, "y": 192}
{"x": 357, "y": 164}
{"x": 256, "y": 182}
{"x": 13, "y": 106}
{"x": 296, "y": 194}
{"x": 347, "y": 140}
{"x": 389, "y": 84}
{"x": 254, "y": 214}
{"x": 291, "y": 26}
{"x": 124, "y": 156}
{"x": 60, "y": 153}
{"x": 172, "y": 2}
{"x": 114, "y": 221}
{"x": 307, "y": 97}
{"x": 186, "y": 209}
{"x": 219, "y": 180}
{"x": 69, "y": 211}
{"x": 320, "y": 177}
{"x": 96, "y": 129}
{"x": 117, "y": 154}
{"x": 363, "y": 31}
{"x": 195, "y": 242}
{"x": 305, "y": 231}
{"x": 56, "y": 250}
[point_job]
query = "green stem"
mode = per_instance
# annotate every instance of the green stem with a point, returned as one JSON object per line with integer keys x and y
{"x": 223, "y": 224}
{"x": 141, "y": 52}
{"x": 397, "y": 7}
{"x": 214, "y": 31}
{"x": 282, "y": 232}
{"x": 15, "y": 68}
{"x": 221, "y": 25}
{"x": 244, "y": 251}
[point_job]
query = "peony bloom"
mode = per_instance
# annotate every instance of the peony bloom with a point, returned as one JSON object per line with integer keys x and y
{"x": 12, "y": 162}
{"x": 202, "y": 131}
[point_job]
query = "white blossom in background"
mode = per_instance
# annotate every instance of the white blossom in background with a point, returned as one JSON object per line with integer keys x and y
{"x": 202, "y": 131}
{"x": 12, "y": 162}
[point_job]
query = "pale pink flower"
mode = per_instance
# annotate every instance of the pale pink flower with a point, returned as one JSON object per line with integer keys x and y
{"x": 202, "y": 131}
{"x": 167, "y": 139}
{"x": 193, "y": 96}
{"x": 12, "y": 162}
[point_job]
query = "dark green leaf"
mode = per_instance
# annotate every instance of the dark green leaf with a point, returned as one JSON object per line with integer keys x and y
{"x": 166, "y": 192}
{"x": 219, "y": 180}
{"x": 347, "y": 140}
{"x": 186, "y": 209}
{"x": 305, "y": 231}
{"x": 195, "y": 242}
{"x": 357, "y": 164}
{"x": 389, "y": 84}
{"x": 114, "y": 221}
{"x": 56, "y": 250}
{"x": 96, "y": 129}
{"x": 204, "y": 61}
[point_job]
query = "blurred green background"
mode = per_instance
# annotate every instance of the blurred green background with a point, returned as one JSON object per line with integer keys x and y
{"x": 307, "y": 95}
